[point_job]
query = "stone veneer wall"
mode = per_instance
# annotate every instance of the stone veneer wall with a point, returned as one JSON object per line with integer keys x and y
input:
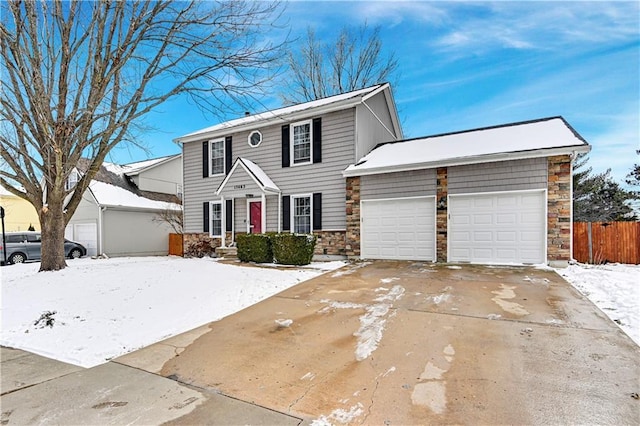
{"x": 193, "y": 238}
{"x": 352, "y": 243}
{"x": 441, "y": 214}
{"x": 559, "y": 209}
{"x": 330, "y": 243}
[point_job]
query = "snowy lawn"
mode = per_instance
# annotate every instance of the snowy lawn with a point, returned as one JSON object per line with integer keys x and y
{"x": 614, "y": 288}
{"x": 96, "y": 310}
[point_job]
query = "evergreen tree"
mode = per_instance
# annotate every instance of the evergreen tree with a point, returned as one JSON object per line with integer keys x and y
{"x": 597, "y": 197}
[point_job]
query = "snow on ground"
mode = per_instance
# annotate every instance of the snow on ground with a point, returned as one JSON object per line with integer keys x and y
{"x": 95, "y": 310}
{"x": 614, "y": 288}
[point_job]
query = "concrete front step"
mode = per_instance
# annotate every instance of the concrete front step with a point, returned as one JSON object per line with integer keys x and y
{"x": 227, "y": 252}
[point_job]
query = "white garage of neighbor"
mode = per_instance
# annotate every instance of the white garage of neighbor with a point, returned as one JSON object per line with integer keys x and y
{"x": 502, "y": 228}
{"x": 400, "y": 228}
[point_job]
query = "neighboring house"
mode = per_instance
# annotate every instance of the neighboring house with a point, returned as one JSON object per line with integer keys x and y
{"x": 19, "y": 213}
{"x": 118, "y": 214}
{"x": 494, "y": 195}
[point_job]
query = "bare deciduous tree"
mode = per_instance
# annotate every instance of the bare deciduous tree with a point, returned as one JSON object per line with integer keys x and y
{"x": 352, "y": 61}
{"x": 78, "y": 77}
{"x": 171, "y": 217}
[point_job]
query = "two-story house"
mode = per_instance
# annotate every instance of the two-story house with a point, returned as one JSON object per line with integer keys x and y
{"x": 339, "y": 167}
{"x": 281, "y": 171}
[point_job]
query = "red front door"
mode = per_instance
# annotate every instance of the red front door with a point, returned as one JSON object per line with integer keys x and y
{"x": 255, "y": 217}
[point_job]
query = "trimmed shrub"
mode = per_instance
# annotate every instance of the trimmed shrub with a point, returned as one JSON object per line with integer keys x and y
{"x": 254, "y": 248}
{"x": 292, "y": 249}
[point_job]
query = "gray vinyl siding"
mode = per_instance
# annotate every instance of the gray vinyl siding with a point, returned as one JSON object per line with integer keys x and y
{"x": 498, "y": 176}
{"x": 196, "y": 188}
{"x": 272, "y": 214}
{"x": 370, "y": 130}
{"x": 338, "y": 135}
{"x": 240, "y": 215}
{"x": 239, "y": 178}
{"x": 397, "y": 185}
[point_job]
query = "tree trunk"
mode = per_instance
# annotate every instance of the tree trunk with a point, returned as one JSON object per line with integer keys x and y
{"x": 52, "y": 223}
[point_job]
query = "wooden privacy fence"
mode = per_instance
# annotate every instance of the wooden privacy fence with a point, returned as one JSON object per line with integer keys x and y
{"x": 175, "y": 245}
{"x": 600, "y": 242}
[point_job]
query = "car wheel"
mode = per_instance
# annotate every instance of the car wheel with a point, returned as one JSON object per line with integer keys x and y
{"x": 17, "y": 258}
{"x": 75, "y": 254}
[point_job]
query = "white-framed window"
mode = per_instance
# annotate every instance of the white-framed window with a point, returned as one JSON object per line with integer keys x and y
{"x": 301, "y": 142}
{"x": 72, "y": 180}
{"x": 301, "y": 213}
{"x": 217, "y": 157}
{"x": 216, "y": 218}
{"x": 254, "y": 139}
{"x": 179, "y": 190}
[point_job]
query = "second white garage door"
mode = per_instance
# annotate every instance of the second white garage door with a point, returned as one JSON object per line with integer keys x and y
{"x": 500, "y": 228}
{"x": 401, "y": 228}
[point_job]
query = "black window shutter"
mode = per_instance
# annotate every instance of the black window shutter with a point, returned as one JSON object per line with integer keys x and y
{"x": 286, "y": 213}
{"x": 228, "y": 211}
{"x": 317, "y": 140}
{"x": 228, "y": 155}
{"x": 205, "y": 216}
{"x": 286, "y": 161}
{"x": 317, "y": 211}
{"x": 205, "y": 159}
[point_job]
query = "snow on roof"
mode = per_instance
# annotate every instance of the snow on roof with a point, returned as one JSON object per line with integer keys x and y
{"x": 137, "y": 167}
{"x": 355, "y": 97}
{"x": 260, "y": 175}
{"x": 115, "y": 196}
{"x": 548, "y": 136}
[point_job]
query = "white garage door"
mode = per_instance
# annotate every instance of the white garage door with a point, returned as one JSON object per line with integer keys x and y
{"x": 85, "y": 234}
{"x": 500, "y": 228}
{"x": 402, "y": 228}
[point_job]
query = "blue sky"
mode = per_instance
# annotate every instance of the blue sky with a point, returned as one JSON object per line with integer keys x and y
{"x": 465, "y": 65}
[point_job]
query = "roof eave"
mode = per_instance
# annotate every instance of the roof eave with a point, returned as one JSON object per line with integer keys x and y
{"x": 462, "y": 161}
{"x": 258, "y": 124}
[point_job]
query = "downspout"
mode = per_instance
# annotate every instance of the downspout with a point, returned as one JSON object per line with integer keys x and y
{"x": 101, "y": 209}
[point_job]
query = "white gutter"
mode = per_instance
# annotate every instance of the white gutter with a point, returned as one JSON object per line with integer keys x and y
{"x": 487, "y": 158}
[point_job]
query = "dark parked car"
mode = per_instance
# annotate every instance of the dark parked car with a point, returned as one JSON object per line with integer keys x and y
{"x": 25, "y": 246}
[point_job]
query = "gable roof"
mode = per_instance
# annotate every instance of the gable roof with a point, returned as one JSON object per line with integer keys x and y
{"x": 528, "y": 139}
{"x": 261, "y": 179}
{"x": 299, "y": 111}
{"x": 113, "y": 188}
{"x": 133, "y": 169}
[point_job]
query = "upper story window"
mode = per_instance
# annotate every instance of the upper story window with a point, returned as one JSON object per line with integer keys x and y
{"x": 72, "y": 180}
{"x": 301, "y": 142}
{"x": 217, "y": 157}
{"x": 255, "y": 138}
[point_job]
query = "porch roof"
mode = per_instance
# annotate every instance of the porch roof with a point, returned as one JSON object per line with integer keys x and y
{"x": 261, "y": 179}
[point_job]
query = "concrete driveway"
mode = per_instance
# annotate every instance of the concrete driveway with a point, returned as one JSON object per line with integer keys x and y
{"x": 415, "y": 343}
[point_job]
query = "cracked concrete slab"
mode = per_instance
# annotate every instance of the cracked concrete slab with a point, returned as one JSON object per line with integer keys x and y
{"x": 467, "y": 344}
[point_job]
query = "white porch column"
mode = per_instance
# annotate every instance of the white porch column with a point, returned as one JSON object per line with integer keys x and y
{"x": 223, "y": 225}
{"x": 263, "y": 213}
